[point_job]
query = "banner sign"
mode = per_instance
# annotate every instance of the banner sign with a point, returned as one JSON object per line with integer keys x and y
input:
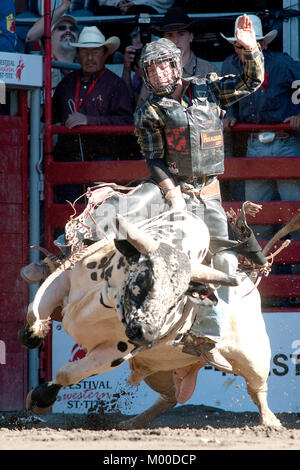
{"x": 21, "y": 70}
{"x": 214, "y": 388}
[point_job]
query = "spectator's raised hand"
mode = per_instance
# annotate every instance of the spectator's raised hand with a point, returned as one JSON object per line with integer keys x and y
{"x": 66, "y": 4}
{"x": 124, "y": 5}
{"x": 129, "y": 55}
{"x": 245, "y": 34}
{"x": 76, "y": 119}
{"x": 294, "y": 122}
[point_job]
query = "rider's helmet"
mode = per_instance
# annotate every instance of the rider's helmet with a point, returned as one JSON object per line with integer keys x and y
{"x": 156, "y": 52}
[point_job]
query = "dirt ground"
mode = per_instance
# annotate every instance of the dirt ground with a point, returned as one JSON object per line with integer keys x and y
{"x": 186, "y": 427}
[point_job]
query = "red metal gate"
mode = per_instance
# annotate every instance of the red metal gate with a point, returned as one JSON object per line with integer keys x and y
{"x": 13, "y": 255}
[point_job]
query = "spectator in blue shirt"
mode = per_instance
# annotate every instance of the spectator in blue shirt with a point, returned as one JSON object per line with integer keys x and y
{"x": 8, "y": 36}
{"x": 274, "y": 102}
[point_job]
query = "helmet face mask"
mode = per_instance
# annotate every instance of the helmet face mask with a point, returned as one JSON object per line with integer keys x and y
{"x": 160, "y": 66}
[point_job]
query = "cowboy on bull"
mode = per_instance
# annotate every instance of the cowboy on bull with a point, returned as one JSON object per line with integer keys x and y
{"x": 179, "y": 129}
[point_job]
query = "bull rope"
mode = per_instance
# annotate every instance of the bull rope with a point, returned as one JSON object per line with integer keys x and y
{"x": 271, "y": 256}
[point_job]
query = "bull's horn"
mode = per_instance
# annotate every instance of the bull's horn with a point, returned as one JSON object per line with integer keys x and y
{"x": 143, "y": 242}
{"x": 291, "y": 226}
{"x": 206, "y": 274}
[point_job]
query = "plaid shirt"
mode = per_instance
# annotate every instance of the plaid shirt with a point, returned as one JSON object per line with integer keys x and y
{"x": 224, "y": 91}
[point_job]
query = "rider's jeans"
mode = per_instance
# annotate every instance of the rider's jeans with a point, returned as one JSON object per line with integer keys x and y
{"x": 213, "y": 321}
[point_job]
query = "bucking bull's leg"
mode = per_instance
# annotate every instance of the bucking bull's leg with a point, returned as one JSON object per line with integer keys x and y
{"x": 162, "y": 383}
{"x": 100, "y": 360}
{"x": 259, "y": 397}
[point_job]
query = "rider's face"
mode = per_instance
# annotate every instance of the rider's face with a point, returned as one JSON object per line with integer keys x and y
{"x": 160, "y": 74}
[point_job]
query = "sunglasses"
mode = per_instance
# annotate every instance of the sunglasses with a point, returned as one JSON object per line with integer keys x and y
{"x": 63, "y": 27}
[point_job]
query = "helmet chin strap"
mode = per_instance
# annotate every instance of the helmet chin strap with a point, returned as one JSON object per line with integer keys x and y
{"x": 164, "y": 90}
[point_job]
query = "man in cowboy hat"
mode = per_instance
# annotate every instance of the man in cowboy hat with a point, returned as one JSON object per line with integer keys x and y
{"x": 178, "y": 28}
{"x": 271, "y": 103}
{"x": 93, "y": 95}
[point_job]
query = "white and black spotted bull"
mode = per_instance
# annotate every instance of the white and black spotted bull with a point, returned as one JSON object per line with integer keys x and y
{"x": 122, "y": 280}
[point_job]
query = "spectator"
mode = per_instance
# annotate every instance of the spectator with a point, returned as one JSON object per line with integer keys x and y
{"x": 23, "y": 11}
{"x": 64, "y": 29}
{"x": 178, "y": 28}
{"x": 8, "y": 36}
{"x": 133, "y": 81}
{"x": 8, "y": 43}
{"x": 92, "y": 96}
{"x": 271, "y": 103}
{"x": 124, "y": 7}
{"x": 134, "y": 7}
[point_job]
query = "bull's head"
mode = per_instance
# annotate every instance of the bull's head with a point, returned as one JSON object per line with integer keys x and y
{"x": 159, "y": 277}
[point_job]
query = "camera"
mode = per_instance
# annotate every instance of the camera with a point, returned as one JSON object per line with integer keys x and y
{"x": 137, "y": 55}
{"x": 143, "y": 27}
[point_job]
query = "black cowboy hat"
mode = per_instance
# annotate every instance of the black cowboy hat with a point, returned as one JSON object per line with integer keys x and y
{"x": 175, "y": 19}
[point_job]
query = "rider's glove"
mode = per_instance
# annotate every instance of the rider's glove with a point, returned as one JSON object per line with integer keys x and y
{"x": 175, "y": 198}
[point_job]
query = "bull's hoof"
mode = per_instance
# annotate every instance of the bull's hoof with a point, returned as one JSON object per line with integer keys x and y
{"x": 132, "y": 423}
{"x": 27, "y": 339}
{"x": 270, "y": 420}
{"x": 40, "y": 399}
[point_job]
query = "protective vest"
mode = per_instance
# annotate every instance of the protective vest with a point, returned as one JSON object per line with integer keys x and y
{"x": 194, "y": 135}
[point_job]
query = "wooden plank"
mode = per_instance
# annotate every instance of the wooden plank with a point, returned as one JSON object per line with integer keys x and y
{"x": 11, "y": 248}
{"x": 120, "y": 172}
{"x": 11, "y": 218}
{"x": 10, "y": 159}
{"x": 280, "y": 285}
{"x": 13, "y": 306}
{"x": 10, "y": 279}
{"x": 11, "y": 188}
{"x": 124, "y": 171}
{"x": 13, "y": 382}
{"x": 262, "y": 168}
{"x": 11, "y": 130}
{"x": 289, "y": 255}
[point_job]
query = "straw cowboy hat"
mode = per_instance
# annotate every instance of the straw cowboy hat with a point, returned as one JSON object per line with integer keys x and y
{"x": 257, "y": 26}
{"x": 175, "y": 19}
{"x": 91, "y": 36}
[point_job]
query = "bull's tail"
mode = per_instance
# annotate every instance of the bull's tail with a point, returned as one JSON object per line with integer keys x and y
{"x": 291, "y": 226}
{"x": 40, "y": 326}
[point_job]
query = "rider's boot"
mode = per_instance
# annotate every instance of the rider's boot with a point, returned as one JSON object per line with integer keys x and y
{"x": 40, "y": 270}
{"x": 209, "y": 350}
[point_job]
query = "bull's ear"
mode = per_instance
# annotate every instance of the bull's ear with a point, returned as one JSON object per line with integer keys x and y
{"x": 128, "y": 250}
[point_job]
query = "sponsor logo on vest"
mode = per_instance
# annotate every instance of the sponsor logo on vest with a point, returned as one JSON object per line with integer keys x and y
{"x": 211, "y": 140}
